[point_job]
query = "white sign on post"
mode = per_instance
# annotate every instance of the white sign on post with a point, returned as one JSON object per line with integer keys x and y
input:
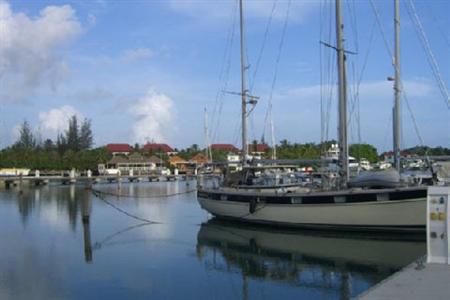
{"x": 438, "y": 225}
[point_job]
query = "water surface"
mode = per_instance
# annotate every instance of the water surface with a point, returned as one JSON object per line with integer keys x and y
{"x": 49, "y": 251}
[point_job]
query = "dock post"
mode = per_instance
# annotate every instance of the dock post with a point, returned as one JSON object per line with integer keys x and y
{"x": 72, "y": 176}
{"x": 20, "y": 183}
{"x": 130, "y": 175}
{"x": 37, "y": 174}
{"x": 86, "y": 215}
{"x": 118, "y": 180}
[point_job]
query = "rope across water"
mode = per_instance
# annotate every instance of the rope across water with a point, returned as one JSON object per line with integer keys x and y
{"x": 101, "y": 195}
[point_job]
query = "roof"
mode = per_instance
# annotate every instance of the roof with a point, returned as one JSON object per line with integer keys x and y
{"x": 116, "y": 160}
{"x": 157, "y": 147}
{"x": 199, "y": 158}
{"x": 258, "y": 148}
{"x": 224, "y": 147}
{"x": 119, "y": 148}
{"x": 177, "y": 160}
{"x": 156, "y": 160}
{"x": 137, "y": 158}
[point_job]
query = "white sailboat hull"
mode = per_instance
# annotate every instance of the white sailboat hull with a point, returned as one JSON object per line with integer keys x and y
{"x": 403, "y": 214}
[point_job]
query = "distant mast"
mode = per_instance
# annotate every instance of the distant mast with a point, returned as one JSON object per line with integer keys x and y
{"x": 243, "y": 86}
{"x": 207, "y": 144}
{"x": 397, "y": 88}
{"x": 342, "y": 93}
{"x": 272, "y": 130}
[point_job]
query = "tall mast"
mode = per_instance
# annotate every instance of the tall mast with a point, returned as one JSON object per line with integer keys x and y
{"x": 243, "y": 86}
{"x": 342, "y": 92}
{"x": 397, "y": 88}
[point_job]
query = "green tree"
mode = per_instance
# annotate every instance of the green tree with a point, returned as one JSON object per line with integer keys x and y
{"x": 26, "y": 138}
{"x": 367, "y": 151}
{"x": 72, "y": 134}
{"x": 61, "y": 143}
{"x": 48, "y": 145}
{"x": 85, "y": 137}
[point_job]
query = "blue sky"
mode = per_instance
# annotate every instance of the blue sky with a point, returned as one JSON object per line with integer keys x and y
{"x": 146, "y": 70}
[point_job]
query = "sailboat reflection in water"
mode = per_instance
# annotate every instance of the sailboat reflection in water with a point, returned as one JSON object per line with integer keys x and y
{"x": 343, "y": 264}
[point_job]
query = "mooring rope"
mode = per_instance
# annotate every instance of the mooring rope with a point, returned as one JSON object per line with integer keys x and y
{"x": 101, "y": 195}
{"x": 143, "y": 197}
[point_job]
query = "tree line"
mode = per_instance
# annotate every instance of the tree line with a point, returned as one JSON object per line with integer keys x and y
{"x": 76, "y": 138}
{"x": 72, "y": 149}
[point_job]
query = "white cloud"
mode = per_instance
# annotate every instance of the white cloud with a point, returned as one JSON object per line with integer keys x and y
{"x": 155, "y": 116}
{"x": 216, "y": 10}
{"x": 132, "y": 55}
{"x": 29, "y": 48}
{"x": 56, "y": 120}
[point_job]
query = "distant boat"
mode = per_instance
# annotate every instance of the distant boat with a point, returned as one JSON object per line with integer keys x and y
{"x": 388, "y": 207}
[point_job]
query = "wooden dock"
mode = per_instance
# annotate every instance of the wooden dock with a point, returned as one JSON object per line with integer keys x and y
{"x": 9, "y": 181}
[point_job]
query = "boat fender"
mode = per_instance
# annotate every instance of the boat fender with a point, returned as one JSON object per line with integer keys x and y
{"x": 252, "y": 205}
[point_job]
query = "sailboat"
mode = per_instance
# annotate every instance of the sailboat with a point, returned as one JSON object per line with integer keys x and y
{"x": 399, "y": 208}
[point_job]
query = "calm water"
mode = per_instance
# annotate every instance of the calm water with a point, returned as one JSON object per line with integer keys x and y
{"x": 48, "y": 252}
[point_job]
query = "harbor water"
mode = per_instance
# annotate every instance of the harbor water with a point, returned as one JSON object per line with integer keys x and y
{"x": 69, "y": 242}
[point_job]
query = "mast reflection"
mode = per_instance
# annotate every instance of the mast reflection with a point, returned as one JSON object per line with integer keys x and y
{"x": 86, "y": 216}
{"x": 339, "y": 263}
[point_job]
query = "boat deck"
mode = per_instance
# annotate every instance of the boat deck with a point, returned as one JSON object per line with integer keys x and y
{"x": 416, "y": 281}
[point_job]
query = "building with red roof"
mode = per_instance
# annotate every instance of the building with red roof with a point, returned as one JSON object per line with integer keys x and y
{"x": 124, "y": 149}
{"x": 224, "y": 147}
{"x": 258, "y": 148}
{"x": 153, "y": 147}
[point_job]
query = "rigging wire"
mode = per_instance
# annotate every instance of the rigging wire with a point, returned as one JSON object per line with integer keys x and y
{"x": 321, "y": 76}
{"x": 261, "y": 50}
{"x": 359, "y": 80}
{"x": 331, "y": 72}
{"x": 277, "y": 62}
{"x": 354, "y": 96}
{"x": 405, "y": 98}
{"x": 411, "y": 9}
{"x": 224, "y": 76}
{"x": 383, "y": 34}
{"x": 445, "y": 37}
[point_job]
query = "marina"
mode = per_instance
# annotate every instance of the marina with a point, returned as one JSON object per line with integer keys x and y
{"x": 66, "y": 242}
{"x": 235, "y": 149}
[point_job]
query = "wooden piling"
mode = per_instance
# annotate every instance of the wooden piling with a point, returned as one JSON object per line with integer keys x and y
{"x": 86, "y": 215}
